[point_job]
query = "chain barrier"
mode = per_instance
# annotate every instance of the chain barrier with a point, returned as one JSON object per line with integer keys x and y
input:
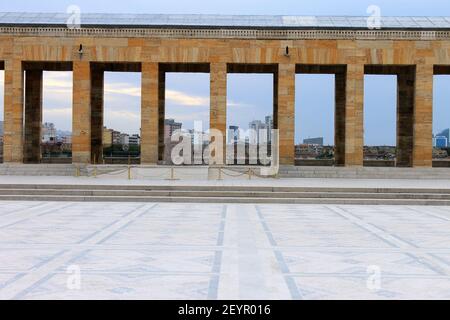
{"x": 115, "y": 173}
{"x": 262, "y": 176}
{"x": 77, "y": 171}
{"x": 250, "y": 172}
{"x": 140, "y": 175}
{"x": 170, "y": 174}
{"x": 232, "y": 175}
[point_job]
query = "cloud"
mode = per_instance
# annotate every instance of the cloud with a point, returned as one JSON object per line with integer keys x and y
{"x": 122, "y": 88}
{"x": 61, "y": 83}
{"x": 182, "y": 98}
{"x": 58, "y": 112}
{"x": 124, "y": 115}
{"x": 58, "y": 83}
{"x": 239, "y": 104}
{"x": 123, "y": 121}
{"x": 172, "y": 96}
{"x": 191, "y": 116}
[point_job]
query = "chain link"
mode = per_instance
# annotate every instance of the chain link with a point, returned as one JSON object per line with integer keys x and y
{"x": 137, "y": 172}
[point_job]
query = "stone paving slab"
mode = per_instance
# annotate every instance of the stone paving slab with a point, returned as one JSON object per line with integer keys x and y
{"x": 223, "y": 251}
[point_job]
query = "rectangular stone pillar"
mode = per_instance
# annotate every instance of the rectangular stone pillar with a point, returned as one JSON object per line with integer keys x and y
{"x": 405, "y": 115}
{"x": 81, "y": 126}
{"x": 97, "y": 110}
{"x": 149, "y": 113}
{"x": 33, "y": 115}
{"x": 339, "y": 118}
{"x": 354, "y": 115}
{"x": 284, "y": 113}
{"x": 13, "y": 115}
{"x": 423, "y": 117}
{"x": 218, "y": 100}
{"x": 161, "y": 113}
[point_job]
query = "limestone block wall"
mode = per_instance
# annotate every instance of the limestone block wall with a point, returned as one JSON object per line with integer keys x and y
{"x": 354, "y": 51}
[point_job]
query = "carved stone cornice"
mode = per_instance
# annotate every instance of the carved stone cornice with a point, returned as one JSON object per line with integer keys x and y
{"x": 204, "y": 33}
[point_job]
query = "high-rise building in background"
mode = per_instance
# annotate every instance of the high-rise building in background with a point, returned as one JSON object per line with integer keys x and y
{"x": 234, "y": 135}
{"x": 440, "y": 142}
{"x": 116, "y": 137}
{"x": 48, "y": 133}
{"x": 134, "y": 140}
{"x": 170, "y": 126}
{"x": 255, "y": 127}
{"x": 269, "y": 127}
{"x": 314, "y": 141}
{"x": 124, "y": 139}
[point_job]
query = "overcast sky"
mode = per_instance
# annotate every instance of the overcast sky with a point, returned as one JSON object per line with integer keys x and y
{"x": 249, "y": 96}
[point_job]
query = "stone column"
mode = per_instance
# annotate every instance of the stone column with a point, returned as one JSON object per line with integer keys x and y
{"x": 284, "y": 120}
{"x": 149, "y": 113}
{"x": 161, "y": 113}
{"x": 423, "y": 117}
{"x": 13, "y": 116}
{"x": 354, "y": 116}
{"x": 81, "y": 126}
{"x": 218, "y": 100}
{"x": 405, "y": 114}
{"x": 97, "y": 110}
{"x": 33, "y": 116}
{"x": 339, "y": 118}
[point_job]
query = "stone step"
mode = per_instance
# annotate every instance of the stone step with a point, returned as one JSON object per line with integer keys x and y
{"x": 224, "y": 194}
{"x": 229, "y": 194}
{"x": 223, "y": 188}
{"x": 285, "y": 171}
{"x": 364, "y": 173}
{"x": 39, "y": 170}
{"x": 346, "y": 201}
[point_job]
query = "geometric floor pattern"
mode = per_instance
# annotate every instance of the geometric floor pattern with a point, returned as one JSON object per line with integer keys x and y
{"x": 68, "y": 250}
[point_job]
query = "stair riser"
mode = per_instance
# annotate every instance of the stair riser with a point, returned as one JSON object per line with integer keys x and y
{"x": 230, "y": 200}
{"x": 124, "y": 193}
{"x": 224, "y": 189}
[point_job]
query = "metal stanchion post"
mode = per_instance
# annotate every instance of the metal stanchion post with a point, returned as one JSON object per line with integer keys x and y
{"x": 95, "y": 166}
{"x": 249, "y": 174}
{"x": 220, "y": 174}
{"x": 129, "y": 167}
{"x": 172, "y": 174}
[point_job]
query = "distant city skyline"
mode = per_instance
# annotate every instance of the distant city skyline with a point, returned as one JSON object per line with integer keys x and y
{"x": 250, "y": 96}
{"x": 314, "y": 103}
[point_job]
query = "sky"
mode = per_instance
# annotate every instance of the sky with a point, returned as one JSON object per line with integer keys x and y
{"x": 249, "y": 96}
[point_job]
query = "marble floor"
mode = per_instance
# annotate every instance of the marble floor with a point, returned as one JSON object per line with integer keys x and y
{"x": 215, "y": 251}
